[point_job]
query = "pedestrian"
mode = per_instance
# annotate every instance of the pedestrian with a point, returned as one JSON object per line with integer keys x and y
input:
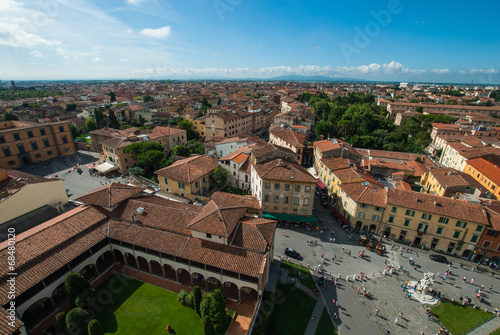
{"x": 465, "y": 279}
{"x": 396, "y": 321}
{"x": 334, "y": 240}
{"x": 492, "y": 274}
{"x": 307, "y": 291}
{"x": 358, "y": 289}
{"x": 283, "y": 233}
{"x": 314, "y": 317}
{"x": 400, "y": 314}
{"x": 472, "y": 281}
{"x": 408, "y": 274}
{"x": 376, "y": 312}
{"x": 335, "y": 316}
{"x": 342, "y": 249}
{"x": 491, "y": 287}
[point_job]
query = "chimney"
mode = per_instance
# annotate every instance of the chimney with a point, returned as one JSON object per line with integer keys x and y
{"x": 133, "y": 217}
{"x": 140, "y": 210}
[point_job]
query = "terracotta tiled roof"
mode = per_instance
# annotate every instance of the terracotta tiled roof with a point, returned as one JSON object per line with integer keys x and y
{"x": 190, "y": 169}
{"x": 215, "y": 220}
{"x": 365, "y": 193}
{"x": 255, "y": 234}
{"x": 16, "y": 180}
{"x": 433, "y": 204}
{"x": 5, "y": 328}
{"x": 336, "y": 163}
{"x": 159, "y": 131}
{"x": 326, "y": 145}
{"x": 451, "y": 178}
{"x": 240, "y": 158}
{"x": 487, "y": 168}
{"x": 229, "y": 200}
{"x": 109, "y": 195}
{"x": 283, "y": 170}
{"x": 293, "y": 138}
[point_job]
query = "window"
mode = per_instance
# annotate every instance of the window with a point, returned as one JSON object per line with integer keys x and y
{"x": 426, "y": 216}
{"x": 276, "y": 199}
{"x": 277, "y": 186}
{"x": 295, "y": 210}
{"x": 287, "y": 187}
{"x": 479, "y": 228}
{"x": 2, "y": 139}
{"x": 439, "y": 230}
{"x": 20, "y": 148}
{"x": 407, "y": 222}
{"x": 38, "y": 155}
{"x": 308, "y": 188}
{"x": 297, "y": 188}
{"x": 286, "y": 200}
{"x": 126, "y": 160}
{"x": 42, "y": 132}
{"x": 64, "y": 139}
{"x": 267, "y": 186}
{"x": 362, "y": 205}
{"x": 378, "y": 209}
{"x": 474, "y": 238}
{"x": 34, "y": 145}
{"x": 491, "y": 232}
{"x": 306, "y": 201}
{"x": 196, "y": 184}
{"x": 203, "y": 180}
{"x": 6, "y": 151}
{"x": 165, "y": 179}
{"x": 444, "y": 220}
{"x": 181, "y": 185}
{"x": 461, "y": 224}
{"x": 266, "y": 198}
{"x": 275, "y": 208}
{"x": 361, "y": 215}
{"x": 375, "y": 217}
{"x": 49, "y": 152}
{"x": 410, "y": 213}
{"x": 295, "y": 200}
{"x": 30, "y": 134}
{"x": 46, "y": 142}
{"x": 209, "y": 235}
{"x": 391, "y": 219}
{"x": 457, "y": 234}
{"x": 11, "y": 163}
{"x": 17, "y": 137}
{"x": 61, "y": 129}
{"x": 422, "y": 227}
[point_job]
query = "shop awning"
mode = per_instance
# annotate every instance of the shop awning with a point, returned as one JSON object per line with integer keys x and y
{"x": 336, "y": 212}
{"x": 320, "y": 184}
{"x": 106, "y": 167}
{"x": 289, "y": 217}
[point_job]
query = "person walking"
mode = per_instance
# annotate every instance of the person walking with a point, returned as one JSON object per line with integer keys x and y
{"x": 396, "y": 321}
{"x": 376, "y": 312}
{"x": 472, "y": 281}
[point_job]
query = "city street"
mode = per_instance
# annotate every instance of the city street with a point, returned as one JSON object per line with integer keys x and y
{"x": 385, "y": 290}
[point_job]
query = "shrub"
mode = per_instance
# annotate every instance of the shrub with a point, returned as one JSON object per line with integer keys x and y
{"x": 95, "y": 328}
{"x": 197, "y": 298}
{"x": 75, "y": 284}
{"x": 208, "y": 326}
{"x": 189, "y": 300}
{"x": 182, "y": 296}
{"x": 60, "y": 323}
{"x": 76, "y": 321}
{"x": 218, "y": 312}
{"x": 205, "y": 305}
{"x": 83, "y": 299}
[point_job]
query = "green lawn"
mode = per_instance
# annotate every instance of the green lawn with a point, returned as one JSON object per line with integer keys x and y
{"x": 292, "y": 311}
{"x": 84, "y": 138}
{"x": 142, "y": 308}
{"x": 459, "y": 319}
{"x": 300, "y": 273}
{"x": 325, "y": 325}
{"x": 496, "y": 332}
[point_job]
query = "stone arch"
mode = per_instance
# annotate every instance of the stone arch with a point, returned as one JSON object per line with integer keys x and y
{"x": 198, "y": 279}
{"x": 37, "y": 312}
{"x": 230, "y": 290}
{"x": 372, "y": 229}
{"x": 89, "y": 272}
{"x": 59, "y": 294}
{"x": 466, "y": 253}
{"x": 131, "y": 261}
{"x": 213, "y": 283}
{"x": 156, "y": 268}
{"x": 142, "y": 264}
{"x": 169, "y": 272}
{"x": 104, "y": 261}
{"x": 358, "y": 225}
{"x": 119, "y": 256}
{"x": 248, "y": 294}
{"x": 183, "y": 276}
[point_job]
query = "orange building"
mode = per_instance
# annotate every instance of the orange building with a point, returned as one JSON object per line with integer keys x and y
{"x": 486, "y": 172}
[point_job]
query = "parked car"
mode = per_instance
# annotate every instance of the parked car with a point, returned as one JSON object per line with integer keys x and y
{"x": 439, "y": 258}
{"x": 292, "y": 253}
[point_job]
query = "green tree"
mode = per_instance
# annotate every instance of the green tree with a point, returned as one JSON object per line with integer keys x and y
{"x": 219, "y": 101}
{"x": 208, "y": 326}
{"x": 75, "y": 283}
{"x": 100, "y": 119}
{"x": 60, "y": 323}
{"x": 180, "y": 150}
{"x": 74, "y": 131}
{"x": 76, "y": 321}
{"x": 138, "y": 148}
{"x": 10, "y": 116}
{"x": 90, "y": 124}
{"x": 205, "y": 104}
{"x": 147, "y": 98}
{"x": 112, "y": 96}
{"x": 95, "y": 328}
{"x": 112, "y": 120}
{"x": 205, "y": 303}
{"x": 151, "y": 158}
{"x": 218, "y": 312}
{"x": 220, "y": 176}
{"x": 136, "y": 171}
{"x": 188, "y": 127}
{"x": 70, "y": 107}
{"x": 85, "y": 298}
{"x": 197, "y": 298}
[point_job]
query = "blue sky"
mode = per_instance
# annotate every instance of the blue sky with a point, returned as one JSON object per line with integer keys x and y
{"x": 397, "y": 40}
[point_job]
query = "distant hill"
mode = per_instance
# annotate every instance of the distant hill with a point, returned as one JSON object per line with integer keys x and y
{"x": 312, "y": 78}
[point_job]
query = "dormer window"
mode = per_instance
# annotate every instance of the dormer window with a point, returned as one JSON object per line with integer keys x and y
{"x": 209, "y": 235}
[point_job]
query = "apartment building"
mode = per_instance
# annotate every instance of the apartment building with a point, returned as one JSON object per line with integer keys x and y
{"x": 447, "y": 182}
{"x": 333, "y": 148}
{"x": 23, "y": 143}
{"x": 435, "y": 108}
{"x": 486, "y": 172}
{"x": 188, "y": 178}
{"x": 228, "y": 123}
{"x": 288, "y": 139}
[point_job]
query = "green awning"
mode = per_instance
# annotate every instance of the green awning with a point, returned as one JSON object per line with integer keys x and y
{"x": 290, "y": 217}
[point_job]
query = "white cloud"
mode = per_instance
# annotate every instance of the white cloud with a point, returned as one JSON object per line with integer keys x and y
{"x": 16, "y": 35}
{"x": 479, "y": 71}
{"x": 134, "y": 2}
{"x": 441, "y": 71}
{"x": 76, "y": 54}
{"x": 128, "y": 31}
{"x": 161, "y": 33}
{"x": 97, "y": 60}
{"x": 36, "y": 53}
{"x": 377, "y": 69}
{"x": 123, "y": 59}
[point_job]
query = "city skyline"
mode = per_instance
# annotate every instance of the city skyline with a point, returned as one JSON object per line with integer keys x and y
{"x": 238, "y": 39}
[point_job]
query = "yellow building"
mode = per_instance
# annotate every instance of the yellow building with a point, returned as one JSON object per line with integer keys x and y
{"x": 446, "y": 182}
{"x": 23, "y": 143}
{"x": 188, "y": 178}
{"x": 439, "y": 223}
{"x": 486, "y": 173}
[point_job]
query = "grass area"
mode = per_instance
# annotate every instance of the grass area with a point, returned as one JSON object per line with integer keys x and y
{"x": 496, "y": 332}
{"x": 84, "y": 138}
{"x": 292, "y": 311}
{"x": 325, "y": 325}
{"x": 142, "y": 308}
{"x": 459, "y": 319}
{"x": 301, "y": 273}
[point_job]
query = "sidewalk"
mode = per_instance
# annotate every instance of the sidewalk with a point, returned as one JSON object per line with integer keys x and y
{"x": 487, "y": 328}
{"x": 313, "y": 324}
